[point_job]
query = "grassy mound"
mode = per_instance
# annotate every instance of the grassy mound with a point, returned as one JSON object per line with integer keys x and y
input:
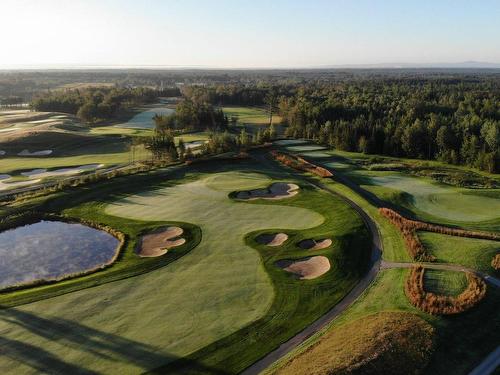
{"x": 383, "y": 343}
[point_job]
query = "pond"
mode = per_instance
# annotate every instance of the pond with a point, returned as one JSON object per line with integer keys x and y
{"x": 49, "y": 250}
{"x": 144, "y": 120}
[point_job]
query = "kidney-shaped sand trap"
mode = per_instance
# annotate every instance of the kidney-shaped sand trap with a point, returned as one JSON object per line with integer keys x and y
{"x": 278, "y": 190}
{"x": 157, "y": 243}
{"x": 273, "y": 239}
{"x": 306, "y": 268}
{"x": 311, "y": 244}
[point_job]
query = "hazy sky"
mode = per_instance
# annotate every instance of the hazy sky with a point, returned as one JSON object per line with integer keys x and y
{"x": 252, "y": 33}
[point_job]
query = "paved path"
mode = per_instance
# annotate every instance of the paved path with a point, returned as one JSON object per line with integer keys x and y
{"x": 489, "y": 364}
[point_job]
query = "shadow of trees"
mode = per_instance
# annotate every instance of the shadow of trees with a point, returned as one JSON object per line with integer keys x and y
{"x": 87, "y": 340}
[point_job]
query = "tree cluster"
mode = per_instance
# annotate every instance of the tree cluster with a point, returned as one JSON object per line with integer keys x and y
{"x": 451, "y": 121}
{"x": 92, "y": 104}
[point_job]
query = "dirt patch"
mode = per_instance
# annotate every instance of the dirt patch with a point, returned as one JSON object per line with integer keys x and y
{"x": 160, "y": 241}
{"x": 278, "y": 190}
{"x": 306, "y": 268}
{"x": 311, "y": 244}
{"x": 42, "y": 173}
{"x": 274, "y": 239}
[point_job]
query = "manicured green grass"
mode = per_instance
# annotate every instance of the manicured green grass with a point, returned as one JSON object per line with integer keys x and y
{"x": 297, "y": 303}
{"x": 213, "y": 291}
{"x": 470, "y": 252}
{"x": 449, "y": 283}
{"x": 117, "y": 130}
{"x": 250, "y": 115}
{"x": 437, "y": 200}
{"x": 418, "y": 196}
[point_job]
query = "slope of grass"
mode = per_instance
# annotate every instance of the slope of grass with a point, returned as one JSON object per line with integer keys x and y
{"x": 461, "y": 341}
{"x": 470, "y": 252}
{"x": 387, "y": 342}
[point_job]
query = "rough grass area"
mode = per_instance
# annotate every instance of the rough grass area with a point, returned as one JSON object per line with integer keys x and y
{"x": 383, "y": 343}
{"x": 470, "y": 252}
{"x": 207, "y": 297}
{"x": 448, "y": 283}
{"x": 461, "y": 341}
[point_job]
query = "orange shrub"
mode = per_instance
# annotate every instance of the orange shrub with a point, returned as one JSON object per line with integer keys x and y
{"x": 440, "y": 304}
{"x": 300, "y": 164}
{"x": 495, "y": 263}
{"x": 409, "y": 228}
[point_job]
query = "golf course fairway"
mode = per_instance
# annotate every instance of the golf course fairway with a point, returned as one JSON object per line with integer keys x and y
{"x": 146, "y": 321}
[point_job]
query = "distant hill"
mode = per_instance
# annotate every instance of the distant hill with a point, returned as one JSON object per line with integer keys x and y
{"x": 458, "y": 65}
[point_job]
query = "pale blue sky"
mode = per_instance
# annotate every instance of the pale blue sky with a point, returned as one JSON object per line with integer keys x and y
{"x": 236, "y": 33}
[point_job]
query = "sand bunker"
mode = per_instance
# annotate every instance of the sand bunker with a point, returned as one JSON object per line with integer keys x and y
{"x": 42, "y": 173}
{"x": 278, "y": 190}
{"x": 306, "y": 268}
{"x": 35, "y": 153}
{"x": 275, "y": 239}
{"x": 157, "y": 243}
{"x": 311, "y": 244}
{"x": 194, "y": 144}
{"x": 5, "y": 185}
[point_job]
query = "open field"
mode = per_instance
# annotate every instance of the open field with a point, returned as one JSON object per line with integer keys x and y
{"x": 224, "y": 273}
{"x": 421, "y": 196}
{"x": 470, "y": 252}
{"x": 251, "y": 115}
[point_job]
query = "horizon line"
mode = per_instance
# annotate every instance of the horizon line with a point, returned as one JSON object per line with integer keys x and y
{"x": 395, "y": 65}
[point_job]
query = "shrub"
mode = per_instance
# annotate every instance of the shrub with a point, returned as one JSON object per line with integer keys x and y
{"x": 300, "y": 164}
{"x": 440, "y": 304}
{"x": 495, "y": 262}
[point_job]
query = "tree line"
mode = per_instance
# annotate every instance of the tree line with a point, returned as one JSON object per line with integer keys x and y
{"x": 452, "y": 118}
{"x": 94, "y": 104}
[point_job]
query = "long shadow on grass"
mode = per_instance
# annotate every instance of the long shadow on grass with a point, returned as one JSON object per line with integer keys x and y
{"x": 78, "y": 337}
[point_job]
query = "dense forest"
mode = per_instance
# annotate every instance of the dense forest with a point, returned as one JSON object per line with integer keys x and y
{"x": 451, "y": 115}
{"x": 454, "y": 119}
{"x": 94, "y": 104}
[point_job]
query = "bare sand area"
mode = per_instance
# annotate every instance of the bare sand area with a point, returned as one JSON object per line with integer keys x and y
{"x": 274, "y": 239}
{"x": 311, "y": 244}
{"x": 306, "y": 268}
{"x": 278, "y": 190}
{"x": 159, "y": 242}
